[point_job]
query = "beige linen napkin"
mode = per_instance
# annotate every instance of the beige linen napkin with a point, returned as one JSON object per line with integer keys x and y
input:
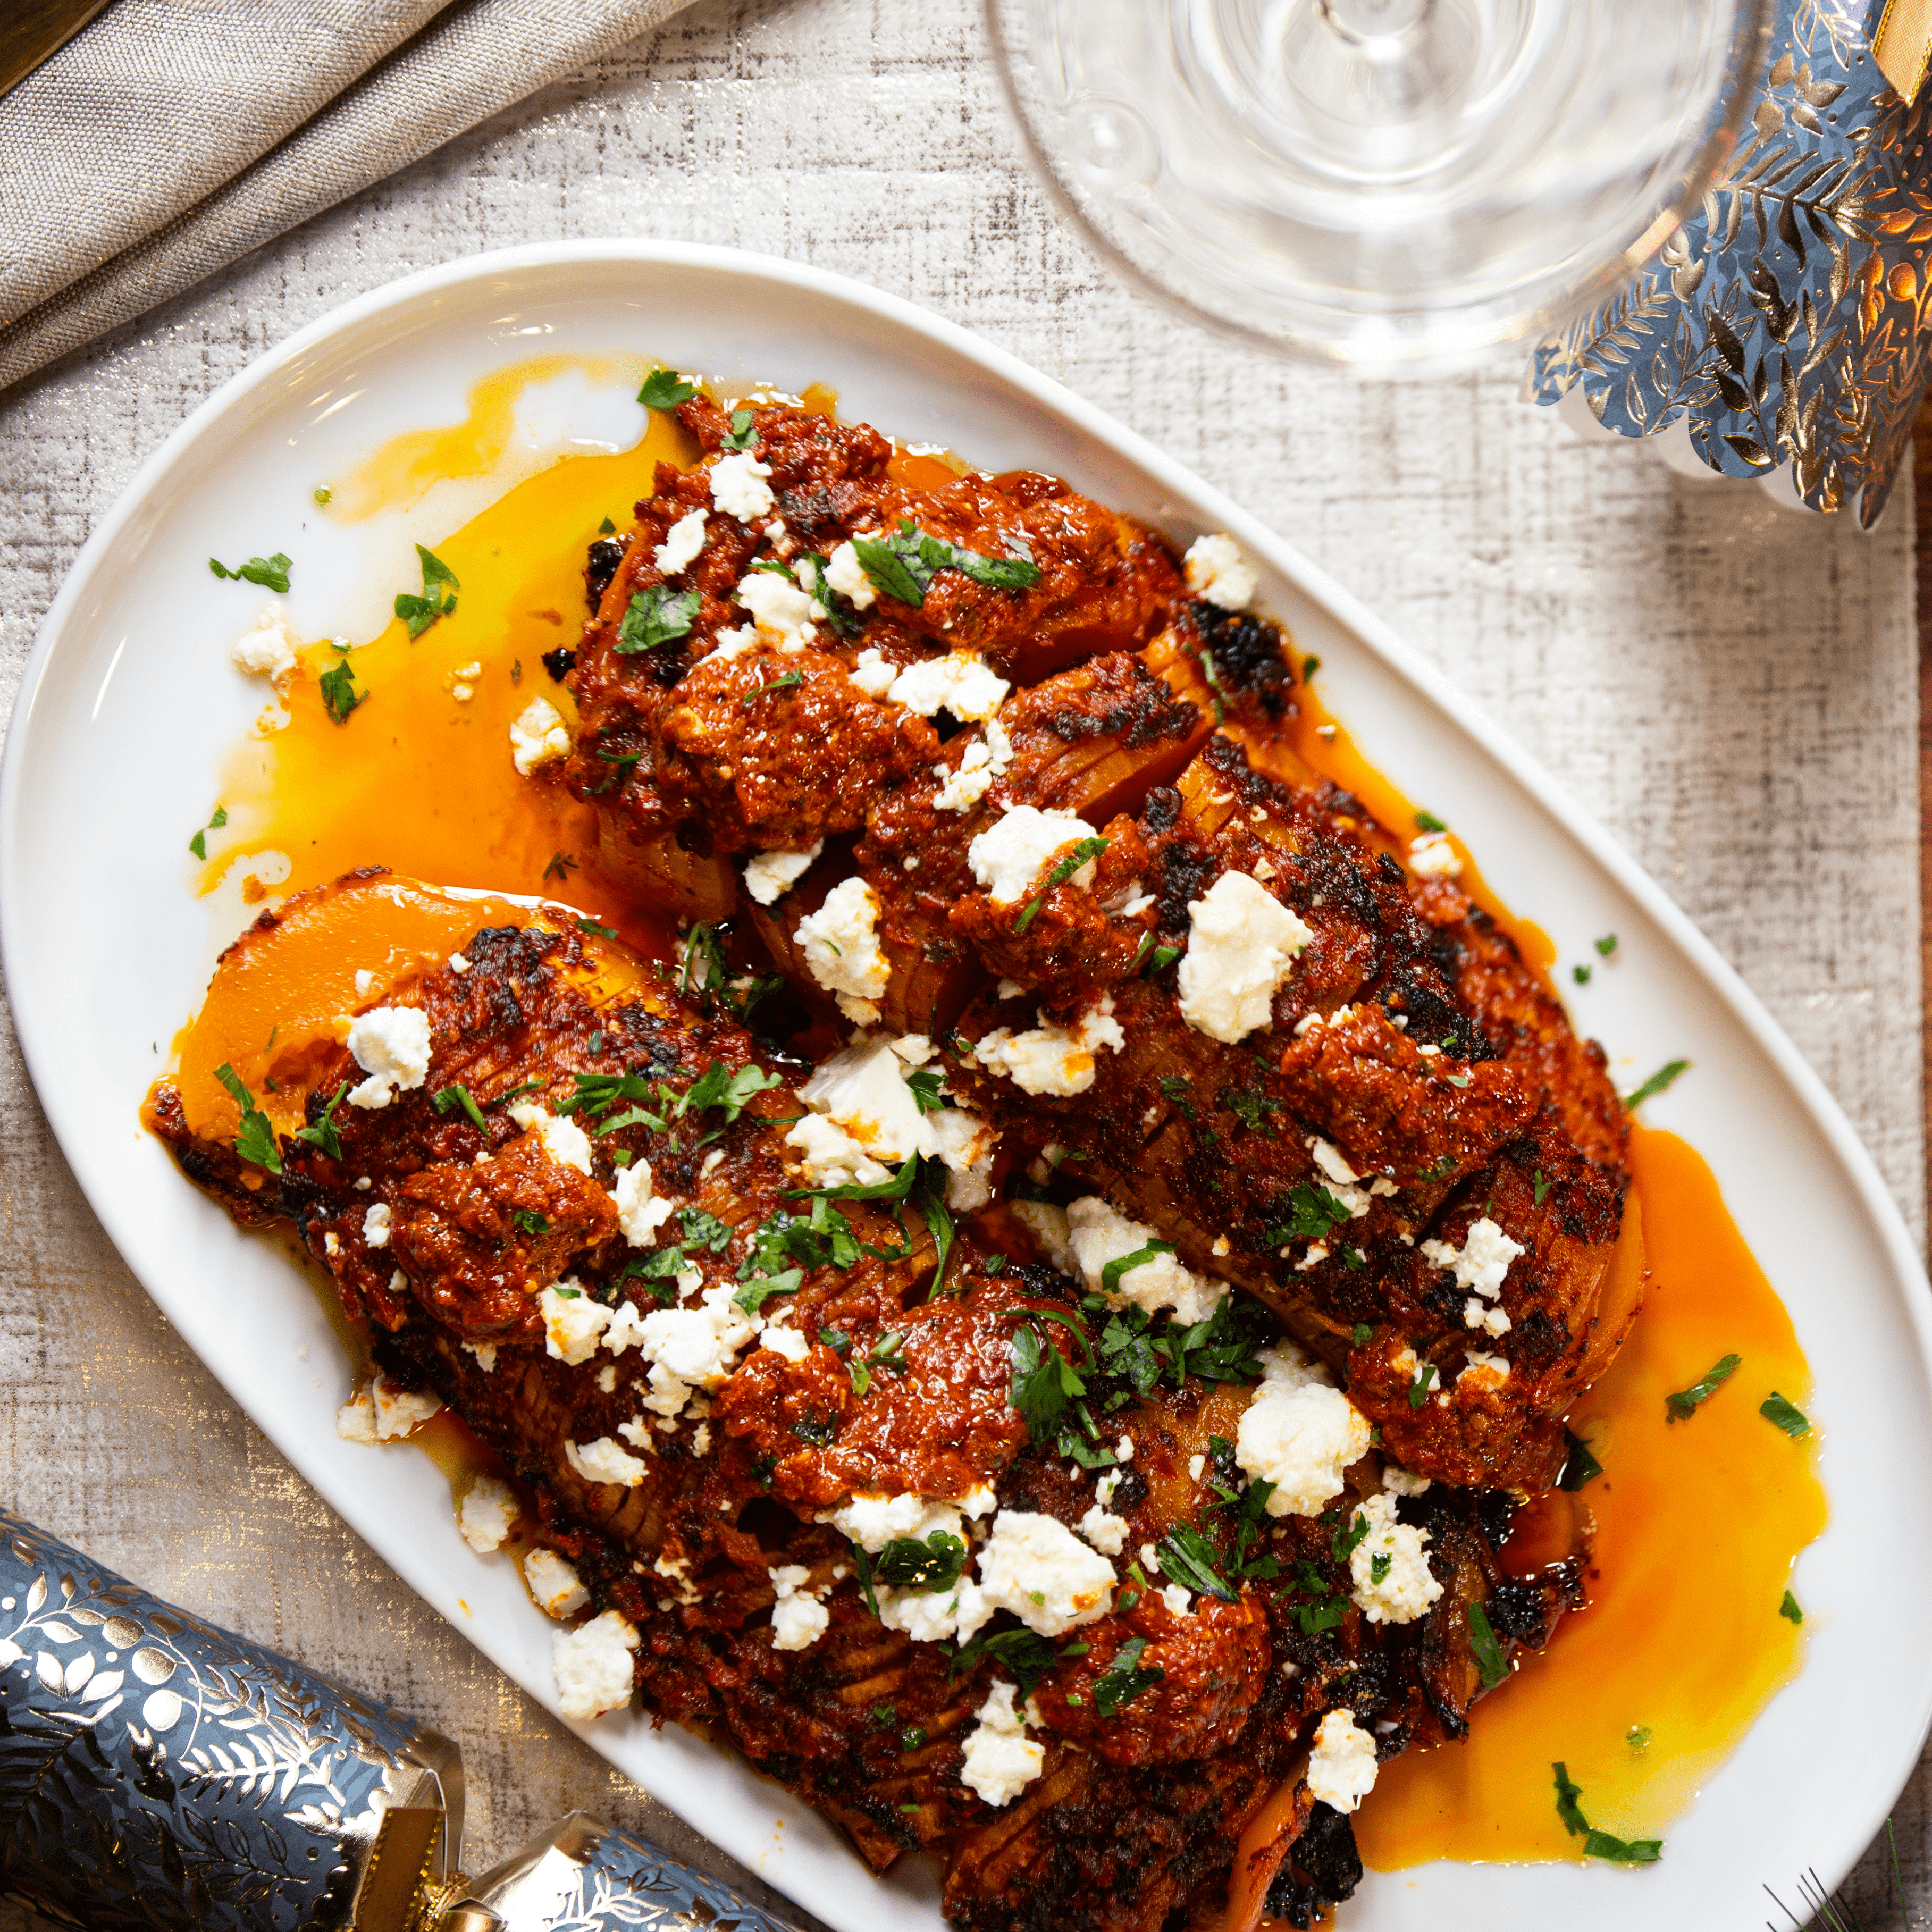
{"x": 170, "y": 137}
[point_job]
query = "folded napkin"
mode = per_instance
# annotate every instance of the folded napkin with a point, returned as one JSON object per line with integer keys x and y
{"x": 170, "y": 137}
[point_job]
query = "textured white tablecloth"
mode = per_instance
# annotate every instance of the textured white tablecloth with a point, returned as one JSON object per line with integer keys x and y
{"x": 1731, "y": 688}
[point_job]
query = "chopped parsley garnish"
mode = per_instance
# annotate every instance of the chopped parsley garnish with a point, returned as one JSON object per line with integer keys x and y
{"x": 1684, "y": 1403}
{"x": 821, "y": 1432}
{"x": 903, "y": 565}
{"x": 702, "y": 1230}
{"x": 448, "y": 1099}
{"x": 1110, "y": 1275}
{"x": 1125, "y": 1680}
{"x": 1439, "y": 1170}
{"x": 1638, "y": 1736}
{"x": 1457, "y": 1079}
{"x": 1045, "y": 1382}
{"x": 1418, "y": 1389}
{"x": 1581, "y": 974}
{"x": 339, "y": 694}
{"x": 1314, "y": 1214}
{"x": 907, "y": 1564}
{"x": 655, "y": 616}
{"x": 730, "y": 1094}
{"x": 584, "y": 924}
{"x": 790, "y": 678}
{"x": 440, "y": 586}
{"x": 926, "y": 1083}
{"x": 1665, "y": 1076}
{"x": 665, "y": 389}
{"x": 607, "y": 528}
{"x": 1483, "y": 1644}
{"x": 1786, "y": 1415}
{"x": 322, "y": 1134}
{"x": 323, "y": 494}
{"x": 528, "y": 1221}
{"x": 1607, "y": 944}
{"x": 1427, "y": 821}
{"x": 1542, "y": 1187}
{"x": 1161, "y": 959}
{"x": 1789, "y": 1609}
{"x": 622, "y": 764}
{"x": 1600, "y": 1844}
{"x": 271, "y": 573}
{"x": 1580, "y": 1466}
{"x": 198, "y": 844}
{"x": 887, "y": 1352}
{"x": 1190, "y": 1557}
{"x": 909, "y": 1740}
{"x": 1249, "y": 1105}
{"x": 1309, "y": 666}
{"x": 561, "y": 866}
{"x": 1361, "y": 1335}
{"x": 1343, "y": 1542}
{"x": 256, "y": 1142}
{"x": 1025, "y": 1656}
{"x": 1086, "y": 849}
{"x": 1378, "y": 1566}
{"x": 743, "y": 432}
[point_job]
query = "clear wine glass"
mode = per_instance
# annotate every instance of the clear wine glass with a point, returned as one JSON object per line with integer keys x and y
{"x": 1389, "y": 184}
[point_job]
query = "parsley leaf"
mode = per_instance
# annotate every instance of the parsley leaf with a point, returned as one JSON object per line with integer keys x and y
{"x": 1110, "y": 1275}
{"x": 322, "y": 1134}
{"x": 528, "y": 1221}
{"x": 1567, "y": 1809}
{"x": 1190, "y": 1557}
{"x": 1579, "y": 1467}
{"x": 1542, "y": 1187}
{"x": 665, "y": 389}
{"x": 1788, "y": 1609}
{"x": 256, "y": 1142}
{"x": 1600, "y": 1844}
{"x": 1344, "y": 1542}
{"x": 1023, "y": 1654}
{"x": 926, "y": 1083}
{"x": 1086, "y": 849}
{"x": 1606, "y": 945}
{"x": 702, "y": 1230}
{"x": 1045, "y": 1382}
{"x": 1378, "y": 1566}
{"x": 743, "y": 432}
{"x": 1581, "y": 974}
{"x": 1124, "y": 1680}
{"x": 447, "y": 1099}
{"x": 655, "y": 616}
{"x": 271, "y": 573}
{"x": 198, "y": 844}
{"x": 903, "y": 565}
{"x": 1665, "y": 1076}
{"x": 1786, "y": 1415}
{"x": 1314, "y": 1214}
{"x": 1427, "y": 821}
{"x": 907, "y": 1564}
{"x": 561, "y": 866}
{"x": 1488, "y": 1653}
{"x": 439, "y": 585}
{"x": 1361, "y": 1335}
{"x": 785, "y": 683}
{"x": 1684, "y": 1403}
{"x": 1418, "y": 1389}
{"x": 729, "y": 1092}
{"x": 339, "y": 694}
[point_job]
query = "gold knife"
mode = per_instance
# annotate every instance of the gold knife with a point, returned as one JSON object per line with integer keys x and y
{"x": 32, "y": 31}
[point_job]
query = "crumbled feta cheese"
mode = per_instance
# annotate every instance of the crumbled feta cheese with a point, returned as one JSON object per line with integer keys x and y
{"x": 365, "y": 981}
{"x": 730, "y": 644}
{"x": 841, "y": 947}
{"x": 738, "y": 488}
{"x": 1406, "y": 1588}
{"x": 1217, "y": 571}
{"x": 1241, "y": 947}
{"x": 1300, "y": 1436}
{"x": 592, "y": 1665}
{"x": 538, "y": 736}
{"x": 798, "y": 1619}
{"x": 873, "y": 1521}
{"x": 769, "y": 876}
{"x": 1400, "y": 1482}
{"x": 267, "y": 649}
{"x": 966, "y": 1143}
{"x": 1035, "y": 1566}
{"x": 640, "y": 1213}
{"x": 1048, "y": 1222}
{"x": 1196, "y": 1464}
{"x": 606, "y": 1378}
{"x": 1097, "y": 1234}
{"x": 847, "y": 575}
{"x": 935, "y": 1616}
{"x": 870, "y": 671}
{"x": 681, "y": 543}
{"x": 391, "y": 1044}
{"x": 1481, "y": 1264}
{"x": 1432, "y": 857}
{"x": 1330, "y": 1160}
{"x": 573, "y": 1323}
{"x": 485, "y": 1353}
{"x": 1150, "y": 1559}
{"x": 1483, "y": 1372}
{"x": 355, "y": 1420}
{"x": 606, "y": 1460}
{"x": 557, "y": 1589}
{"x": 400, "y": 1412}
{"x": 787, "y": 1341}
{"x": 1318, "y": 1253}
{"x": 458, "y": 963}
{"x": 962, "y": 787}
{"x": 487, "y": 1513}
{"x": 1001, "y": 1760}
{"x": 1177, "y": 1599}
{"x": 376, "y": 1226}
{"x": 1009, "y": 989}
{"x": 1104, "y": 1486}
{"x": 563, "y": 1140}
{"x": 1053, "y": 1059}
{"x": 1342, "y": 1768}
{"x": 1009, "y": 859}
{"x": 693, "y": 1347}
{"x": 831, "y": 1157}
{"x": 780, "y": 610}
{"x": 961, "y": 682}
{"x": 1106, "y": 1532}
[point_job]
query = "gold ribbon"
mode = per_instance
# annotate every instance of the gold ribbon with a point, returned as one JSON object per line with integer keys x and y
{"x": 1903, "y": 45}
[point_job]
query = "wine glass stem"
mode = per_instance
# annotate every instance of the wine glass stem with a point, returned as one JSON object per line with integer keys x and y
{"x": 1374, "y": 20}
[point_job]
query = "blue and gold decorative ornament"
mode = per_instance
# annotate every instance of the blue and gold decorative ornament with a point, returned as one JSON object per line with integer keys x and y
{"x": 1790, "y": 321}
{"x": 157, "y": 1773}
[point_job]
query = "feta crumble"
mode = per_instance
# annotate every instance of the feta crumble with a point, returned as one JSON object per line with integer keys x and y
{"x": 872, "y": 1520}
{"x": 1051, "y": 1058}
{"x": 538, "y": 736}
{"x": 870, "y": 671}
{"x": 1401, "y": 1483}
{"x": 1177, "y": 1599}
{"x": 1217, "y": 571}
{"x": 738, "y": 488}
{"x": 267, "y": 649}
{"x": 769, "y": 876}
{"x": 1342, "y": 1768}
{"x": 1300, "y": 1435}
{"x": 485, "y": 1352}
{"x": 1001, "y": 1759}
{"x": 841, "y": 947}
{"x": 592, "y": 1665}
{"x": 1108, "y": 1533}
{"x": 606, "y": 1460}
{"x": 1483, "y": 1372}
{"x": 798, "y": 1619}
{"x": 782, "y": 611}
{"x": 847, "y": 575}
{"x": 391, "y": 1044}
{"x": 961, "y": 788}
{"x": 961, "y": 682}
{"x": 681, "y": 543}
{"x": 376, "y": 1226}
{"x": 1241, "y": 947}
{"x": 640, "y": 1213}
{"x": 487, "y": 1513}
{"x": 783, "y": 1339}
{"x": 558, "y": 1590}
{"x": 935, "y": 1616}
{"x": 563, "y": 1140}
{"x": 573, "y": 1323}
{"x": 1009, "y": 859}
{"x": 693, "y": 1347}
{"x": 1082, "y": 1239}
{"x": 1407, "y": 1588}
{"x": 864, "y": 1115}
{"x": 1035, "y": 1566}
{"x": 1480, "y": 1264}
{"x": 1432, "y": 857}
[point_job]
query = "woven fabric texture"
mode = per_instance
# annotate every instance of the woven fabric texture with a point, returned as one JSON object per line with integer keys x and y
{"x": 170, "y": 137}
